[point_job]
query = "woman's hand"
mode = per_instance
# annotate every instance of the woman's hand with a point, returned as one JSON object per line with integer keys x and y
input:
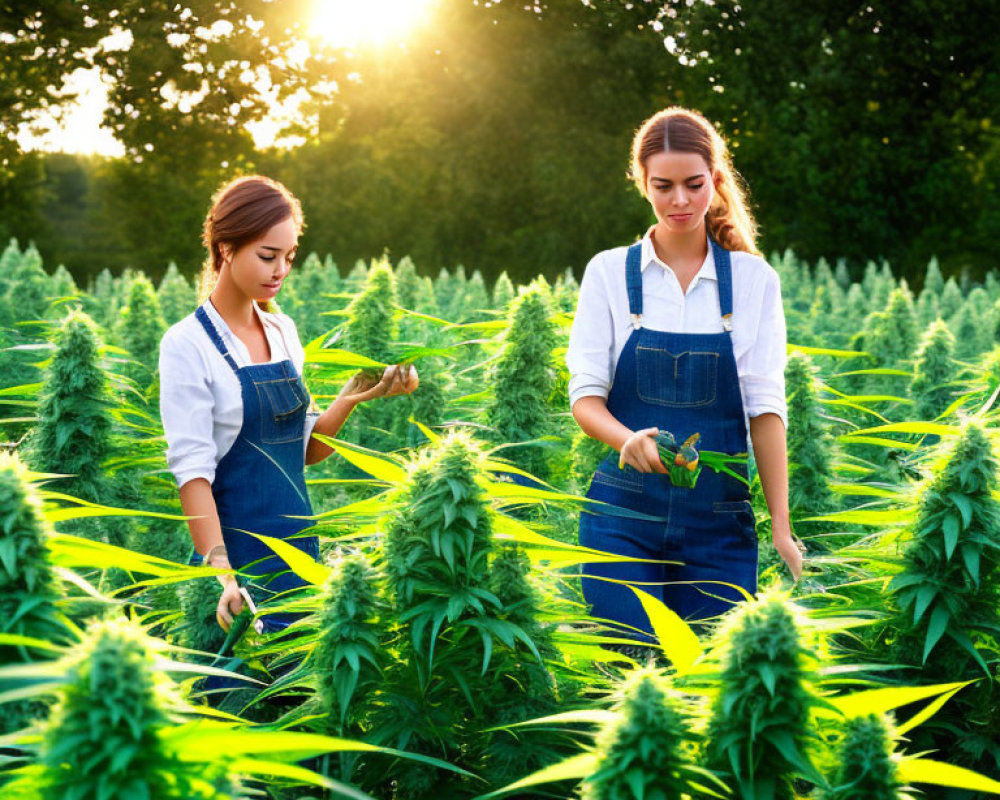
{"x": 789, "y": 548}
{"x": 397, "y": 379}
{"x": 640, "y": 452}
{"x": 230, "y": 604}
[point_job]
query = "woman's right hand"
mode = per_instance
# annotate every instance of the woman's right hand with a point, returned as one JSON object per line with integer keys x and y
{"x": 230, "y": 604}
{"x": 640, "y": 451}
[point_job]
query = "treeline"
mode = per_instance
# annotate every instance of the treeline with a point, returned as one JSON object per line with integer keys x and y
{"x": 499, "y": 140}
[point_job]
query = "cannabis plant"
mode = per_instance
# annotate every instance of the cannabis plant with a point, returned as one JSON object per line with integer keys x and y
{"x": 140, "y": 328}
{"x": 346, "y": 657}
{"x": 933, "y": 372}
{"x": 28, "y": 588}
{"x": 467, "y": 653}
{"x": 73, "y": 433}
{"x": 645, "y": 752}
{"x": 177, "y": 297}
{"x": 503, "y": 292}
{"x": 759, "y": 726}
{"x": 810, "y": 444}
{"x": 522, "y": 381}
{"x": 103, "y": 738}
{"x": 865, "y": 768}
{"x": 948, "y": 593}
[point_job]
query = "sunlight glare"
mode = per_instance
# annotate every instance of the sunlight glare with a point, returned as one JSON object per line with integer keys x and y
{"x": 349, "y": 23}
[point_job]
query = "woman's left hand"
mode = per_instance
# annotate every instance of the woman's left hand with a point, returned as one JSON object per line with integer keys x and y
{"x": 397, "y": 379}
{"x": 791, "y": 550}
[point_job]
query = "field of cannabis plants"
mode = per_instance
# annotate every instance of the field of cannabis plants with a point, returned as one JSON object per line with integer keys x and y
{"x": 445, "y": 650}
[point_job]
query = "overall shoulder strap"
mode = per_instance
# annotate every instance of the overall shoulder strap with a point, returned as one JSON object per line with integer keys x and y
{"x": 213, "y": 334}
{"x": 724, "y": 273}
{"x": 633, "y": 282}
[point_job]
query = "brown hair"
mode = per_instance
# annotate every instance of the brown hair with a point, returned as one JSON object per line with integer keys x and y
{"x": 729, "y": 219}
{"x": 242, "y": 211}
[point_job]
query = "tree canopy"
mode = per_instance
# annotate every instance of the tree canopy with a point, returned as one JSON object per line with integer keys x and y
{"x": 498, "y": 136}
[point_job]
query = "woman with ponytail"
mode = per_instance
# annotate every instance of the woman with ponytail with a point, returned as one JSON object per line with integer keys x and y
{"x": 682, "y": 332}
{"x": 234, "y": 406}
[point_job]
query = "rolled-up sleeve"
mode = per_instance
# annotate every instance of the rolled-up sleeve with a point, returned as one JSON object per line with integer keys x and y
{"x": 589, "y": 355}
{"x": 762, "y": 373}
{"x": 186, "y": 409}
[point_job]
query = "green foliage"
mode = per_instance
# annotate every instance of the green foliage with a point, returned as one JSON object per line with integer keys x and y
{"x": 950, "y": 299}
{"x": 371, "y": 327}
{"x": 759, "y": 726}
{"x": 973, "y": 332}
{"x": 644, "y": 752}
{"x": 469, "y": 645}
{"x": 810, "y": 444}
{"x": 933, "y": 372}
{"x": 947, "y": 590}
{"x": 73, "y": 434}
{"x": 503, "y": 292}
{"x": 865, "y": 767}
{"x": 347, "y": 653}
{"x": 933, "y": 279}
{"x": 199, "y": 629}
{"x": 103, "y": 737}
{"x": 28, "y": 588}
{"x": 522, "y": 380}
{"x": 140, "y": 328}
{"x": 892, "y": 336}
{"x": 177, "y": 297}
{"x": 585, "y": 455}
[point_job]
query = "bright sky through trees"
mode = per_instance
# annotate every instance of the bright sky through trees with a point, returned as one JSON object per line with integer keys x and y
{"x": 349, "y": 23}
{"x": 76, "y": 128}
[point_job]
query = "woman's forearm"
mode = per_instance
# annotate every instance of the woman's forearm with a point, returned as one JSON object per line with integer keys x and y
{"x": 198, "y": 502}
{"x": 767, "y": 432}
{"x": 329, "y": 424}
{"x": 593, "y": 417}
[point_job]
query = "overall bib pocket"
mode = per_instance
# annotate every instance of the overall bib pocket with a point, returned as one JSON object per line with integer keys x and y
{"x": 282, "y": 408}
{"x": 676, "y": 380}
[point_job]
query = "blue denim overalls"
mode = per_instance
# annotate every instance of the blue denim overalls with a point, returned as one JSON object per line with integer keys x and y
{"x": 260, "y": 483}
{"x": 684, "y": 383}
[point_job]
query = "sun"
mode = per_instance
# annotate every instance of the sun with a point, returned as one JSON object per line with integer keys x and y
{"x": 349, "y": 23}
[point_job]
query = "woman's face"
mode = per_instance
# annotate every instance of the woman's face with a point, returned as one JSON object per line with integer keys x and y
{"x": 680, "y": 188}
{"x": 258, "y": 268}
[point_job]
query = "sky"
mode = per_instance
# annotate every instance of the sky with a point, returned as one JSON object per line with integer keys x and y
{"x": 337, "y": 23}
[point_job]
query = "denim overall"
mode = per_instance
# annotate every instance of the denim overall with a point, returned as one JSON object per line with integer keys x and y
{"x": 684, "y": 383}
{"x": 260, "y": 483}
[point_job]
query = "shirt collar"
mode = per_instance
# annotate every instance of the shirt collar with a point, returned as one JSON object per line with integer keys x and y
{"x": 706, "y": 271}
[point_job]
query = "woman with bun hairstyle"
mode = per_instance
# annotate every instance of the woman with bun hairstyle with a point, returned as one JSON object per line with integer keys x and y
{"x": 233, "y": 403}
{"x": 682, "y": 332}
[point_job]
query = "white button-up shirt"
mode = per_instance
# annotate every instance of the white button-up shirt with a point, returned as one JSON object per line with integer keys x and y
{"x": 201, "y": 404}
{"x": 603, "y": 324}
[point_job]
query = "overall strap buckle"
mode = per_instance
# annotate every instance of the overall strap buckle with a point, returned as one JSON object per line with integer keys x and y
{"x": 636, "y": 321}
{"x": 727, "y": 322}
